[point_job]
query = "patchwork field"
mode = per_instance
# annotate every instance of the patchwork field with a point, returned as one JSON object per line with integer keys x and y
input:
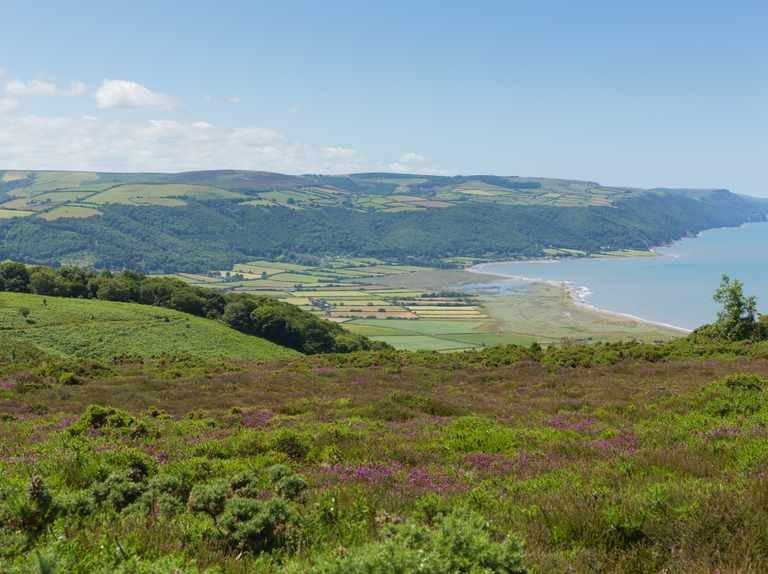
{"x": 30, "y": 193}
{"x": 417, "y": 308}
{"x": 103, "y": 329}
{"x": 58, "y": 195}
{"x": 349, "y": 291}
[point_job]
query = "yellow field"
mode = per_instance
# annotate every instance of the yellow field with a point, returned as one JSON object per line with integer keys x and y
{"x": 160, "y": 194}
{"x": 10, "y": 213}
{"x": 72, "y": 211}
{"x": 14, "y": 176}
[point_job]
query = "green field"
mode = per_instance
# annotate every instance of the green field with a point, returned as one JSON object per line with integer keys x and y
{"x": 103, "y": 329}
{"x": 401, "y": 305}
{"x": 388, "y": 194}
{"x": 349, "y": 291}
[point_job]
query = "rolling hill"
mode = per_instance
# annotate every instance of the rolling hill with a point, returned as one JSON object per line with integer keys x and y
{"x": 197, "y": 221}
{"x": 103, "y": 329}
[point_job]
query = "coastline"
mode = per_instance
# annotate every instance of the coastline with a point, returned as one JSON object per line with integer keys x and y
{"x": 577, "y": 294}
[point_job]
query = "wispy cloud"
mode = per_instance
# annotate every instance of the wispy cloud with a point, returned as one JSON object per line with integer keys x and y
{"x": 333, "y": 152}
{"x": 412, "y": 158}
{"x": 8, "y": 105}
{"x": 412, "y": 162}
{"x": 43, "y": 88}
{"x": 101, "y": 143}
{"x": 127, "y": 94}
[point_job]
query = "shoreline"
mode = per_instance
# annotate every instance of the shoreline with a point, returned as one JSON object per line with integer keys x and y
{"x": 576, "y": 294}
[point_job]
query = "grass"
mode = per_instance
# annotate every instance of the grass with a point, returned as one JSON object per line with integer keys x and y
{"x": 103, "y": 329}
{"x": 422, "y": 343}
{"x": 628, "y": 466}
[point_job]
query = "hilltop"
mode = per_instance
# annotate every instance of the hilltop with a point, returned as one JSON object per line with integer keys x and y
{"x": 197, "y": 221}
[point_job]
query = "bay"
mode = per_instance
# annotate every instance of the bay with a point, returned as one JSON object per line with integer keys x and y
{"x": 675, "y": 287}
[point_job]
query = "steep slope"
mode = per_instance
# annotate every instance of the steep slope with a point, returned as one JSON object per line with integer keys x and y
{"x": 104, "y": 329}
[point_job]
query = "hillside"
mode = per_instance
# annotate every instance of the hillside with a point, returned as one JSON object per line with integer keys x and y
{"x": 638, "y": 458}
{"x": 253, "y": 314}
{"x": 199, "y": 221}
{"x": 104, "y": 329}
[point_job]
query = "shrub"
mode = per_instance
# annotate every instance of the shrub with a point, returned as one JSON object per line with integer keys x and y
{"x": 98, "y": 417}
{"x": 255, "y": 525}
{"x": 109, "y": 419}
{"x": 246, "y": 484}
{"x": 277, "y": 472}
{"x": 291, "y": 487}
{"x": 118, "y": 491}
{"x": 79, "y": 504}
{"x": 460, "y": 543}
{"x": 40, "y": 509}
{"x": 736, "y": 395}
{"x": 209, "y": 498}
{"x": 295, "y": 445}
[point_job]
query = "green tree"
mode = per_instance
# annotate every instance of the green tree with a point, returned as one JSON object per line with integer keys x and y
{"x": 14, "y": 277}
{"x": 737, "y": 320}
{"x": 42, "y": 280}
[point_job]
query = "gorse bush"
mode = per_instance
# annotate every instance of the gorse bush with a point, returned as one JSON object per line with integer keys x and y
{"x": 246, "y": 514}
{"x": 737, "y": 395}
{"x": 258, "y": 525}
{"x": 109, "y": 420}
{"x": 459, "y": 543}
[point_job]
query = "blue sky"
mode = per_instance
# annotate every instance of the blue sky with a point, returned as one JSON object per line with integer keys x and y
{"x": 627, "y": 93}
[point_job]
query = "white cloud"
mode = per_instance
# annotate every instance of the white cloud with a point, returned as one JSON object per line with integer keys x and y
{"x": 338, "y": 152}
{"x": 413, "y": 162}
{"x": 104, "y": 144}
{"x": 126, "y": 94}
{"x": 43, "y": 88}
{"x": 234, "y": 99}
{"x": 412, "y": 157}
{"x": 8, "y": 105}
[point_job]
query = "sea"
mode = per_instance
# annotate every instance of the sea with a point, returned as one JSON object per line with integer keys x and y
{"x": 675, "y": 287}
